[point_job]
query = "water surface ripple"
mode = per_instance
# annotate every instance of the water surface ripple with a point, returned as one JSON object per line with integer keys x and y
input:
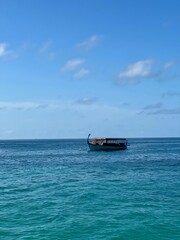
{"x": 57, "y": 189}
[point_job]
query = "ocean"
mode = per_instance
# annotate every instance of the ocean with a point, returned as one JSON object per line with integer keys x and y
{"x": 57, "y": 189}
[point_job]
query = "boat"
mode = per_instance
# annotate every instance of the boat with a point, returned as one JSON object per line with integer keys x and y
{"x": 101, "y": 144}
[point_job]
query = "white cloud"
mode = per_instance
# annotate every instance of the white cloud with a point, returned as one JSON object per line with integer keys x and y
{"x": 86, "y": 101}
{"x": 3, "y": 49}
{"x": 4, "y": 52}
{"x": 72, "y": 64}
{"x": 89, "y": 43}
{"x": 136, "y": 72}
{"x": 81, "y": 73}
{"x": 139, "y": 69}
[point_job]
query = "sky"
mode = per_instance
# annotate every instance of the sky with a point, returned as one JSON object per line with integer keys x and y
{"x": 73, "y": 67}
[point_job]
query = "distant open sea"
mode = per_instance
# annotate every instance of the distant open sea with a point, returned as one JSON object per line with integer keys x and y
{"x": 57, "y": 189}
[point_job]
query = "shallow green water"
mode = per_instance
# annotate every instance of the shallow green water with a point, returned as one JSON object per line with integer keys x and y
{"x": 57, "y": 189}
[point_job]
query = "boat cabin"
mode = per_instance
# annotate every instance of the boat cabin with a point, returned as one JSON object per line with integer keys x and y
{"x": 109, "y": 141}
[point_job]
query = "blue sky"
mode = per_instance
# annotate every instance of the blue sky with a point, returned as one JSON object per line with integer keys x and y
{"x": 70, "y": 67}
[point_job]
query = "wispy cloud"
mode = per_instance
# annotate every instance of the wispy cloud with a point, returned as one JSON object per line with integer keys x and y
{"x": 51, "y": 55}
{"x": 168, "y": 65}
{"x": 24, "y": 105}
{"x": 45, "y": 49}
{"x": 28, "y": 45}
{"x": 144, "y": 69}
{"x": 4, "y": 52}
{"x": 167, "y": 78}
{"x": 170, "y": 94}
{"x": 72, "y": 65}
{"x": 151, "y": 107}
{"x": 81, "y": 73}
{"x": 9, "y": 132}
{"x": 157, "y": 109}
{"x": 86, "y": 101}
{"x": 89, "y": 43}
{"x": 172, "y": 111}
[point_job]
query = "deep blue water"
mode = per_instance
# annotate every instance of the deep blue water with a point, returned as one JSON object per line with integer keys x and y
{"x": 57, "y": 189}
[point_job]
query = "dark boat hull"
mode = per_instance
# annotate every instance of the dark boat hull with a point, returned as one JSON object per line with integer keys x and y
{"x": 94, "y": 147}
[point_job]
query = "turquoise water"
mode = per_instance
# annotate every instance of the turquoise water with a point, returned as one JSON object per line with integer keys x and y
{"x": 57, "y": 189}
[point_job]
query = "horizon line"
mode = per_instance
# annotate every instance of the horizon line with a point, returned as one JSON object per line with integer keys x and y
{"x": 40, "y": 139}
